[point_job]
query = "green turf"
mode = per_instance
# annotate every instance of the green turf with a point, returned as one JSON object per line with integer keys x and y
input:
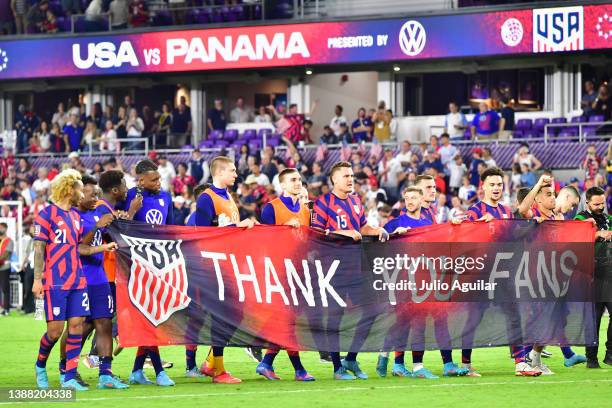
{"x": 569, "y": 387}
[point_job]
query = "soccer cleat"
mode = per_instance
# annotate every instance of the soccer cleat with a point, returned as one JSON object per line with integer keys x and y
{"x": 573, "y": 360}
{"x": 546, "y": 354}
{"x": 139, "y": 377}
{"x": 194, "y": 373}
{"x": 254, "y": 353}
{"x": 544, "y": 369}
{"x": 324, "y": 357}
{"x": 91, "y": 361}
{"x": 226, "y": 378}
{"x": 523, "y": 369}
{"x": 163, "y": 380}
{"x": 74, "y": 385}
{"x": 302, "y": 375}
{"x": 80, "y": 380}
{"x": 400, "y": 370}
{"x": 381, "y": 366}
{"x": 206, "y": 370}
{"x": 471, "y": 372}
{"x": 42, "y": 381}
{"x": 165, "y": 364}
{"x": 608, "y": 358}
{"x": 342, "y": 374}
{"x": 592, "y": 364}
{"x": 108, "y": 382}
{"x": 353, "y": 366}
{"x": 424, "y": 373}
{"x": 266, "y": 371}
{"x": 453, "y": 370}
{"x": 62, "y": 376}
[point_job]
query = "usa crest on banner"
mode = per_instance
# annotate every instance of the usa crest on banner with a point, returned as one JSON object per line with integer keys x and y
{"x": 558, "y": 29}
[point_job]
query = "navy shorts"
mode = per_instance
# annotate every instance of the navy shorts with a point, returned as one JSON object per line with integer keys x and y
{"x": 101, "y": 301}
{"x": 63, "y": 304}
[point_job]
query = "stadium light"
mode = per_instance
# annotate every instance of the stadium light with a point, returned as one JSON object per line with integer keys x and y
{"x": 308, "y": 71}
{"x": 396, "y": 68}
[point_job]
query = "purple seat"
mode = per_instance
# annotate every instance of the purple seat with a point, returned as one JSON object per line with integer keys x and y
{"x": 56, "y": 9}
{"x": 558, "y": 120}
{"x": 596, "y": 118}
{"x": 266, "y": 132}
{"x": 231, "y": 134}
{"x": 187, "y": 148}
{"x": 579, "y": 119}
{"x": 531, "y": 134}
{"x": 589, "y": 130}
{"x": 64, "y": 24}
{"x": 206, "y": 144}
{"x": 540, "y": 123}
{"x": 203, "y": 16}
{"x": 273, "y": 141}
{"x": 191, "y": 16}
{"x": 567, "y": 132}
{"x": 249, "y": 134}
{"x": 517, "y": 134}
{"x": 524, "y": 124}
{"x": 221, "y": 143}
{"x": 216, "y": 16}
{"x": 216, "y": 135}
{"x": 162, "y": 18}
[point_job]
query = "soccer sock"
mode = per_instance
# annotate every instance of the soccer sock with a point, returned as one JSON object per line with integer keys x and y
{"x": 105, "y": 366}
{"x": 518, "y": 354}
{"x": 219, "y": 366}
{"x": 44, "y": 350}
{"x": 351, "y": 357}
{"x": 417, "y": 357}
{"x": 536, "y": 358}
{"x": 155, "y": 359}
{"x": 62, "y": 366}
{"x": 73, "y": 351}
{"x": 466, "y": 356}
{"x": 384, "y": 354}
{"x": 447, "y": 356}
{"x": 567, "y": 352}
{"x": 141, "y": 356}
{"x": 217, "y": 351}
{"x": 269, "y": 357}
{"x": 294, "y": 357}
{"x": 190, "y": 357}
{"x": 335, "y": 356}
{"x": 399, "y": 357}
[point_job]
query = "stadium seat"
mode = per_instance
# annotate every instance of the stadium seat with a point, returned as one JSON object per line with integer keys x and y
{"x": 203, "y": 16}
{"x": 273, "y": 141}
{"x": 216, "y": 135}
{"x": 517, "y": 134}
{"x": 539, "y": 124}
{"x": 249, "y": 134}
{"x": 64, "y": 24}
{"x": 524, "y": 124}
{"x": 221, "y": 143}
{"x": 215, "y": 15}
{"x": 266, "y": 132}
{"x": 162, "y": 18}
{"x": 230, "y": 135}
{"x": 578, "y": 119}
{"x": 206, "y": 144}
{"x": 596, "y": 118}
{"x": 191, "y": 16}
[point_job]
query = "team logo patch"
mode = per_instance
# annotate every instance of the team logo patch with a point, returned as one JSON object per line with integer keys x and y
{"x": 558, "y": 29}
{"x": 161, "y": 202}
{"x": 158, "y": 278}
{"x": 512, "y": 32}
{"x": 412, "y": 38}
{"x": 56, "y": 311}
{"x": 36, "y": 230}
{"x": 357, "y": 209}
{"x": 154, "y": 216}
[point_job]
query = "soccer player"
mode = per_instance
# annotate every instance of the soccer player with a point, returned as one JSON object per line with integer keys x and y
{"x": 216, "y": 207}
{"x": 156, "y": 209}
{"x": 490, "y": 208}
{"x": 341, "y": 212}
{"x": 594, "y": 211}
{"x": 101, "y": 301}
{"x": 427, "y": 185}
{"x": 286, "y": 210}
{"x": 59, "y": 277}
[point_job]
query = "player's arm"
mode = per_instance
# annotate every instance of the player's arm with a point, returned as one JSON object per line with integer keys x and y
{"x": 205, "y": 211}
{"x": 393, "y": 228}
{"x": 103, "y": 222}
{"x": 39, "y": 267}
{"x": 525, "y": 207}
{"x": 134, "y": 205}
{"x": 379, "y": 232}
{"x": 86, "y": 250}
{"x": 267, "y": 215}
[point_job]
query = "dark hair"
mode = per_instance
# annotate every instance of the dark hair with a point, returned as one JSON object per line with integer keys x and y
{"x": 110, "y": 179}
{"x": 200, "y": 189}
{"x": 573, "y": 191}
{"x": 491, "y": 171}
{"x": 594, "y": 191}
{"x": 4, "y": 224}
{"x": 422, "y": 177}
{"x": 340, "y": 108}
{"x": 87, "y": 179}
{"x": 521, "y": 194}
{"x": 337, "y": 166}
{"x": 286, "y": 172}
{"x": 293, "y": 105}
{"x": 446, "y": 135}
{"x": 308, "y": 122}
{"x": 184, "y": 165}
{"x": 145, "y": 166}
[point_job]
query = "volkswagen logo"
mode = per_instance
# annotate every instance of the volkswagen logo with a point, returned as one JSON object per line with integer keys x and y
{"x": 154, "y": 217}
{"x": 412, "y": 38}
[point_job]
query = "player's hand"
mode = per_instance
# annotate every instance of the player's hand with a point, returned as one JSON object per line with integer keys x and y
{"x": 545, "y": 181}
{"x": 37, "y": 289}
{"x": 356, "y": 235}
{"x": 110, "y": 247}
{"x": 247, "y": 223}
{"x": 457, "y": 220}
{"x": 122, "y": 215}
{"x": 136, "y": 204}
{"x": 539, "y": 220}
{"x": 401, "y": 230}
{"x": 486, "y": 218}
{"x": 105, "y": 221}
{"x": 383, "y": 235}
{"x": 294, "y": 222}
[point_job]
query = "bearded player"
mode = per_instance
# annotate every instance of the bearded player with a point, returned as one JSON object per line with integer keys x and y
{"x": 216, "y": 207}
{"x": 286, "y": 210}
{"x": 59, "y": 277}
{"x": 341, "y": 212}
{"x": 491, "y": 208}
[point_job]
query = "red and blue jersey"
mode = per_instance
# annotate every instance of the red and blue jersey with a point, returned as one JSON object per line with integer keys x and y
{"x": 335, "y": 214}
{"x": 479, "y": 209}
{"x": 93, "y": 265}
{"x": 537, "y": 213}
{"x": 61, "y": 230}
{"x": 404, "y": 221}
{"x": 156, "y": 208}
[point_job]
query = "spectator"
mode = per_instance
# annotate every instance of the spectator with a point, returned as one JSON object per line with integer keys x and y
{"x": 528, "y": 179}
{"x": 457, "y": 170}
{"x": 476, "y": 160}
{"x": 108, "y": 138}
{"x": 391, "y": 174}
{"x": 119, "y": 14}
{"x": 260, "y": 178}
{"x": 591, "y": 164}
{"x": 180, "y": 211}
{"x": 139, "y": 14}
{"x": 329, "y": 137}
{"x": 177, "y": 7}
{"x": 20, "y": 13}
{"x": 120, "y": 126}
{"x": 216, "y": 117}
{"x": 292, "y": 124}
{"x": 506, "y": 123}
{"x": 243, "y": 165}
{"x": 515, "y": 177}
{"x": 198, "y": 167}
{"x": 405, "y": 154}
{"x": 306, "y": 131}
{"x": 134, "y": 127}
{"x": 486, "y": 123}
{"x": 58, "y": 140}
{"x": 182, "y": 180}
{"x": 21, "y": 129}
{"x": 455, "y": 122}
{"x": 6, "y": 251}
{"x": 381, "y": 120}
{"x": 241, "y": 114}
{"x": 73, "y": 134}
{"x": 487, "y": 157}
{"x": 267, "y": 166}
{"x": 467, "y": 192}
{"x": 108, "y": 114}
{"x": 60, "y": 117}
{"x": 522, "y": 156}
{"x": 161, "y": 129}
{"x": 41, "y": 19}
{"x": 443, "y": 212}
{"x": 393, "y": 125}
{"x": 148, "y": 120}
{"x": 95, "y": 115}
{"x": 71, "y": 7}
{"x": 447, "y": 152}
{"x": 94, "y": 17}
{"x": 362, "y": 127}
{"x": 262, "y": 116}
{"x": 91, "y": 137}
{"x": 337, "y": 121}
{"x": 345, "y": 136}
{"x": 44, "y": 137}
{"x": 431, "y": 161}
{"x": 181, "y": 125}
{"x": 167, "y": 173}
{"x": 601, "y": 105}
{"x": 317, "y": 179}
{"x": 457, "y": 213}
{"x": 588, "y": 98}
